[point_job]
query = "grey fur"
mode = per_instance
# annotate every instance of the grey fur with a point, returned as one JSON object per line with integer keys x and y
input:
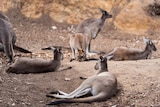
{"x": 124, "y": 53}
{"x": 101, "y": 87}
{"x": 89, "y": 28}
{"x": 8, "y": 38}
{"x": 93, "y": 26}
{"x": 26, "y": 65}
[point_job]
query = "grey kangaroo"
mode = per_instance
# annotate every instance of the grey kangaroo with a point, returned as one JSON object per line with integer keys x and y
{"x": 8, "y": 38}
{"x": 124, "y": 53}
{"x": 92, "y": 27}
{"x": 26, "y": 65}
{"x": 101, "y": 87}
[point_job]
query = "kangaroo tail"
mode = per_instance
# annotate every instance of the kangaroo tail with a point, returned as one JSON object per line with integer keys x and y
{"x": 21, "y": 49}
{"x": 49, "y": 48}
{"x": 99, "y": 97}
{"x": 65, "y": 68}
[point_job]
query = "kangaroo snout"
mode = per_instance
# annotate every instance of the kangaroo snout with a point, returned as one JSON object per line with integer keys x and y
{"x": 109, "y": 16}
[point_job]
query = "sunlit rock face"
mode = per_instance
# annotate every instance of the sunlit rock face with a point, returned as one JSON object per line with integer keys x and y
{"x": 68, "y": 11}
{"x": 134, "y": 16}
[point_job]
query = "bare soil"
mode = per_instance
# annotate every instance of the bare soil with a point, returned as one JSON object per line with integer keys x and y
{"x": 139, "y": 81}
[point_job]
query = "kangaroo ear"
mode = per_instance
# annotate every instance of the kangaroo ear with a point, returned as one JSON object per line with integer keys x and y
{"x": 101, "y": 58}
{"x": 59, "y": 49}
{"x": 146, "y": 40}
{"x": 103, "y": 11}
{"x": 52, "y": 48}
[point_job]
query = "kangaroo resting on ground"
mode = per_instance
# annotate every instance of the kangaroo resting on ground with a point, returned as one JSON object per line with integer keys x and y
{"x": 92, "y": 27}
{"x": 25, "y": 65}
{"x": 8, "y": 38}
{"x": 124, "y": 53}
{"x": 101, "y": 87}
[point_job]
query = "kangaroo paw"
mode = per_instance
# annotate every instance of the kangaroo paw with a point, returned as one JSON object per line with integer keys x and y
{"x": 72, "y": 59}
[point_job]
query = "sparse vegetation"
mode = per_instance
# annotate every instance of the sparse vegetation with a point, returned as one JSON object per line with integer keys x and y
{"x": 154, "y": 9}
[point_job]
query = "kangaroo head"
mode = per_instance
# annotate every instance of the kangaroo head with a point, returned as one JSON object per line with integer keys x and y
{"x": 101, "y": 65}
{"x": 58, "y": 54}
{"x": 150, "y": 44}
{"x": 105, "y": 14}
{"x": 81, "y": 55}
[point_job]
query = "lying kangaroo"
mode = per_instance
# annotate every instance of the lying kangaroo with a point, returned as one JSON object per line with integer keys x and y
{"x": 124, "y": 53}
{"x": 28, "y": 65}
{"x": 92, "y": 26}
{"x": 8, "y": 38}
{"x": 101, "y": 86}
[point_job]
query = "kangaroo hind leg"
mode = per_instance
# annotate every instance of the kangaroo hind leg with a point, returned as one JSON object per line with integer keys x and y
{"x": 73, "y": 55}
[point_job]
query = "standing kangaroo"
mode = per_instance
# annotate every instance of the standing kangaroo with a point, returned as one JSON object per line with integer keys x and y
{"x": 124, "y": 53}
{"x": 101, "y": 86}
{"x": 25, "y": 65}
{"x": 92, "y": 27}
{"x": 8, "y": 38}
{"x": 79, "y": 42}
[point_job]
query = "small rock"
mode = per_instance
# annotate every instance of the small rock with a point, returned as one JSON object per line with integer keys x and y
{"x": 114, "y": 106}
{"x": 13, "y": 104}
{"x": 61, "y": 37}
{"x": 1, "y": 101}
{"x": 137, "y": 41}
{"x": 67, "y": 79}
{"x": 54, "y": 27}
{"x": 41, "y": 101}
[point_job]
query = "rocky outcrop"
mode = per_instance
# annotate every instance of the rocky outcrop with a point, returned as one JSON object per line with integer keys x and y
{"x": 132, "y": 16}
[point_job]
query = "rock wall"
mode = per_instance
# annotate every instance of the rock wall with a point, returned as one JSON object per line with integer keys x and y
{"x": 134, "y": 17}
{"x": 129, "y": 15}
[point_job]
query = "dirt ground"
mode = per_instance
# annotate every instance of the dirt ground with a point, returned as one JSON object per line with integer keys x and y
{"x": 139, "y": 81}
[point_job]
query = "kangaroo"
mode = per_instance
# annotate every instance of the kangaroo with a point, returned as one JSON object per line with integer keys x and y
{"x": 124, "y": 53}
{"x": 92, "y": 27}
{"x": 101, "y": 87}
{"x": 26, "y": 65}
{"x": 3, "y": 16}
{"x": 79, "y": 42}
{"x": 8, "y": 38}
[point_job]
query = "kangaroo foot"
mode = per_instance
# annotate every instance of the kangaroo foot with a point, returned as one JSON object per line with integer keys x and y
{"x": 82, "y": 78}
{"x": 72, "y": 59}
{"x": 89, "y": 55}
